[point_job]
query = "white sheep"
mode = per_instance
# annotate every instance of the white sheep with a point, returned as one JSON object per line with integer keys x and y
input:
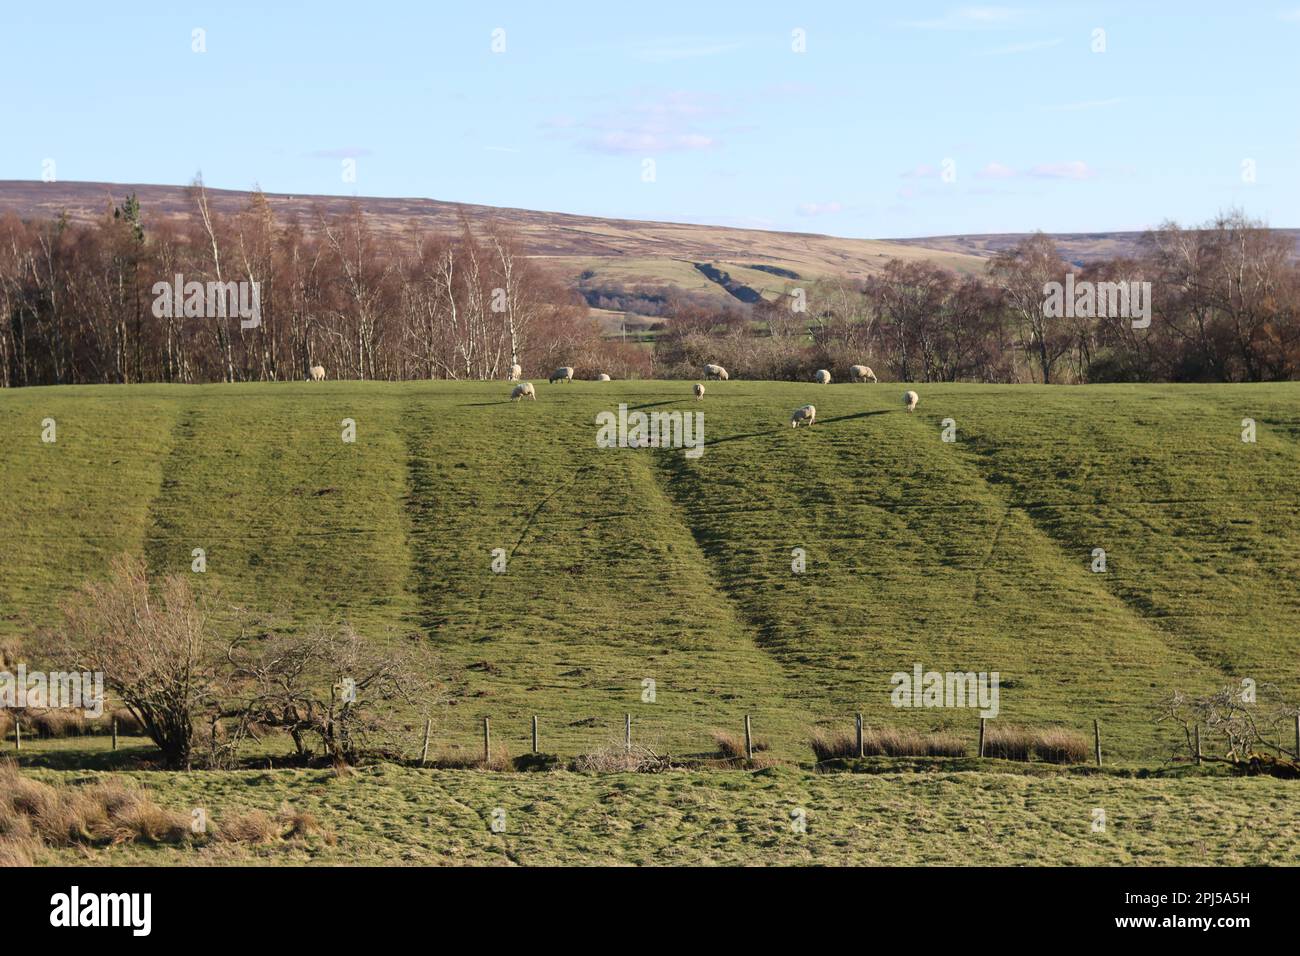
{"x": 602, "y": 377}
{"x": 716, "y": 371}
{"x": 523, "y": 390}
{"x": 861, "y": 373}
{"x": 806, "y": 415}
{"x": 515, "y": 372}
{"x": 318, "y": 373}
{"x": 562, "y": 374}
{"x": 910, "y": 399}
{"x": 822, "y": 377}
{"x": 699, "y": 391}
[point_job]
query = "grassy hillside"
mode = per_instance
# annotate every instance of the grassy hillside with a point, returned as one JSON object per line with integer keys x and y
{"x": 628, "y": 565}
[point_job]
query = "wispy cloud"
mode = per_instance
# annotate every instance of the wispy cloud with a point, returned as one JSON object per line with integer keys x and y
{"x": 819, "y": 208}
{"x": 679, "y": 120}
{"x": 1291, "y": 16}
{"x": 970, "y": 18}
{"x": 995, "y": 171}
{"x": 1075, "y": 169}
{"x": 922, "y": 171}
{"x": 343, "y": 152}
{"x": 1027, "y": 47}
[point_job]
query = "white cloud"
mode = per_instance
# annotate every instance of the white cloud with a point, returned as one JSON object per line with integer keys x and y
{"x": 1075, "y": 169}
{"x": 996, "y": 171}
{"x": 819, "y": 208}
{"x": 923, "y": 171}
{"x": 343, "y": 152}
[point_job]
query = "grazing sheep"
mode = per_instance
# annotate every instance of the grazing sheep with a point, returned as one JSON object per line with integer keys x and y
{"x": 805, "y": 415}
{"x": 716, "y": 371}
{"x": 861, "y": 373}
{"x": 318, "y": 373}
{"x": 562, "y": 374}
{"x": 699, "y": 391}
{"x": 523, "y": 390}
{"x": 822, "y": 377}
{"x": 910, "y": 399}
{"x": 602, "y": 377}
{"x": 515, "y": 372}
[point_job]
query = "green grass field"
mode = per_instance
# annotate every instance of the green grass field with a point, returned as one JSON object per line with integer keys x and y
{"x": 633, "y": 565}
{"x": 390, "y": 815}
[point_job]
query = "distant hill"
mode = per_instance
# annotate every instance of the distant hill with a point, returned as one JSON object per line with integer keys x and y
{"x": 1078, "y": 247}
{"x": 597, "y": 255}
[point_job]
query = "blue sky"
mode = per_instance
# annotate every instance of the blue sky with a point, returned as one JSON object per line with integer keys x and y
{"x": 850, "y": 137}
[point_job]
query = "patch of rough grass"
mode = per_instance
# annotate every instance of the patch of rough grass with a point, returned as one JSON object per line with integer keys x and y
{"x": 731, "y": 746}
{"x": 885, "y": 742}
{"x": 109, "y": 812}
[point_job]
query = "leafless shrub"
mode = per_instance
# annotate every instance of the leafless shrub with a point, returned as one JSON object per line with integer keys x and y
{"x": 1236, "y": 728}
{"x": 154, "y": 648}
{"x": 616, "y": 758}
{"x": 327, "y": 687}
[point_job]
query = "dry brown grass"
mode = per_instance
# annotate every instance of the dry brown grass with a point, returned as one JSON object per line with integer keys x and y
{"x": 885, "y": 742}
{"x": 6, "y": 723}
{"x": 255, "y": 827}
{"x": 104, "y": 812}
{"x": 1008, "y": 742}
{"x": 10, "y": 653}
{"x": 1057, "y": 745}
{"x": 731, "y": 746}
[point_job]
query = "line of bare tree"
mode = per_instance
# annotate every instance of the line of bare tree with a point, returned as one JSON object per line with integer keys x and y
{"x": 76, "y": 300}
{"x": 1225, "y": 307}
{"x": 76, "y": 307}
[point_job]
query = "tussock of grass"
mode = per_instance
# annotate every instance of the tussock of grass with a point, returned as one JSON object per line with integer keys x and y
{"x": 885, "y": 742}
{"x": 35, "y": 815}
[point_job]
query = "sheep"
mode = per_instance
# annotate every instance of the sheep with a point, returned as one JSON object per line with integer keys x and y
{"x": 910, "y": 399}
{"x": 806, "y": 414}
{"x": 602, "y": 377}
{"x": 562, "y": 374}
{"x": 822, "y": 377}
{"x": 515, "y": 372}
{"x": 318, "y": 373}
{"x": 699, "y": 392}
{"x": 523, "y": 390}
{"x": 861, "y": 373}
{"x": 716, "y": 371}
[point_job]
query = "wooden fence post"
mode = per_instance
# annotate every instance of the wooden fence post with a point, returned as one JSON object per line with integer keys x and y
{"x": 535, "y": 750}
{"x": 114, "y": 733}
{"x": 18, "y": 734}
{"x": 1297, "y": 736}
{"x": 982, "y": 722}
{"x": 749, "y": 740}
{"x": 1096, "y": 739}
{"x": 1198, "y": 745}
{"x": 487, "y": 742}
{"x": 861, "y": 753}
{"x": 627, "y": 733}
{"x": 428, "y": 729}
